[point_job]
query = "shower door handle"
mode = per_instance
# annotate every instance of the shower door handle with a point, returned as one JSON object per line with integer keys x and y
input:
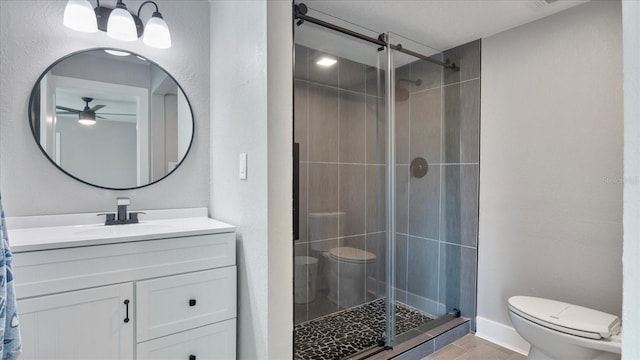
{"x": 296, "y": 191}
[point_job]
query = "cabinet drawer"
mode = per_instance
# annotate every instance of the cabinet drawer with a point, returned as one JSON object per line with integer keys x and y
{"x": 176, "y": 303}
{"x": 217, "y": 341}
{"x": 53, "y": 271}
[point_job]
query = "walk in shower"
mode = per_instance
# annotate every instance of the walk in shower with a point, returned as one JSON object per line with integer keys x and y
{"x": 385, "y": 189}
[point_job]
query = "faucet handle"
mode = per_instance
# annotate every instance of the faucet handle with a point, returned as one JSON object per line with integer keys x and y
{"x": 123, "y": 201}
{"x": 110, "y": 217}
{"x": 133, "y": 215}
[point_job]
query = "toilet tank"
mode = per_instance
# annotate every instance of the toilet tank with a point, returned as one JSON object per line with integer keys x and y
{"x": 322, "y": 226}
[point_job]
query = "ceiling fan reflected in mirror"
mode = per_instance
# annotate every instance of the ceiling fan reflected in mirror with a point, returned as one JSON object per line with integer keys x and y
{"x": 86, "y": 116}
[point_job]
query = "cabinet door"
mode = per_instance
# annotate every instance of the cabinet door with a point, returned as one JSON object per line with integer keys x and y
{"x": 217, "y": 341}
{"x": 85, "y": 324}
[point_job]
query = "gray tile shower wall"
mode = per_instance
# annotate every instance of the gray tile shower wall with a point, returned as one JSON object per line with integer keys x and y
{"x": 461, "y": 128}
{"x": 438, "y": 214}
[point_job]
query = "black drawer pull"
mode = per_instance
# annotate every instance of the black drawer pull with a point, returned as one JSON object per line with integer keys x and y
{"x": 126, "y": 303}
{"x": 192, "y": 357}
{"x": 192, "y": 302}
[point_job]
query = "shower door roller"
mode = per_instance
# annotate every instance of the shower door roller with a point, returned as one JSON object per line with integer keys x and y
{"x": 419, "y": 167}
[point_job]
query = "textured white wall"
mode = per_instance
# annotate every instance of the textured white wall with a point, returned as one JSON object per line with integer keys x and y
{"x": 280, "y": 144}
{"x": 551, "y": 155}
{"x": 631, "y": 259}
{"x": 251, "y": 107}
{"x": 33, "y": 37}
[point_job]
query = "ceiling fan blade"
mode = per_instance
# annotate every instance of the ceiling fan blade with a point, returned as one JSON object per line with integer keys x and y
{"x": 100, "y": 117}
{"x": 97, "y": 107}
{"x": 68, "y": 109}
{"x": 104, "y": 113}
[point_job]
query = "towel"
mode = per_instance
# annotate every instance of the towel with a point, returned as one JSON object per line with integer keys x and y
{"x": 10, "y": 344}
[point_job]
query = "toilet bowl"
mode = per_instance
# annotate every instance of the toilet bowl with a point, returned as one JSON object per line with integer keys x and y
{"x": 345, "y": 268}
{"x": 347, "y": 272}
{"x": 558, "y": 331}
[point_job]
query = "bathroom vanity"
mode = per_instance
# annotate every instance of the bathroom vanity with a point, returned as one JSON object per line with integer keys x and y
{"x": 161, "y": 289}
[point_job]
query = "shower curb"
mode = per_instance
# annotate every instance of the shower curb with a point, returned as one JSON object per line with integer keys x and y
{"x": 422, "y": 345}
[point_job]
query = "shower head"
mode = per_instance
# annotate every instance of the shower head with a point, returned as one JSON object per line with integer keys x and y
{"x": 416, "y": 82}
{"x": 402, "y": 94}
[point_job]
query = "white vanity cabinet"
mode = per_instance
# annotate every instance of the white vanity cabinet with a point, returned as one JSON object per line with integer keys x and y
{"x": 165, "y": 297}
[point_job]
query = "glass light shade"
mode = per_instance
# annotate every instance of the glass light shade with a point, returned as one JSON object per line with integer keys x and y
{"x": 156, "y": 33}
{"x": 80, "y": 16}
{"x": 87, "y": 118}
{"x": 120, "y": 25}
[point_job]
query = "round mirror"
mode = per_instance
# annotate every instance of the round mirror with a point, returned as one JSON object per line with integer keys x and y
{"x": 111, "y": 118}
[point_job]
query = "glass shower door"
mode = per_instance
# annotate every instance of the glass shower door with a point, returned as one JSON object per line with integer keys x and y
{"x": 436, "y": 119}
{"x": 339, "y": 285}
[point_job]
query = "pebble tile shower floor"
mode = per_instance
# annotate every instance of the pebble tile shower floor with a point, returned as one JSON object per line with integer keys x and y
{"x": 349, "y": 331}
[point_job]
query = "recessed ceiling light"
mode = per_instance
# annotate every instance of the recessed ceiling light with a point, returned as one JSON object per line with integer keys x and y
{"x": 326, "y": 61}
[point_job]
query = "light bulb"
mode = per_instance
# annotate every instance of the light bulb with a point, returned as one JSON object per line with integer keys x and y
{"x": 156, "y": 32}
{"x": 80, "y": 16}
{"x": 326, "y": 61}
{"x": 120, "y": 25}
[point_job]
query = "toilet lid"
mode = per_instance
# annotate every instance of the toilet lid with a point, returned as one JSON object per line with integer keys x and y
{"x": 347, "y": 253}
{"x": 572, "y": 319}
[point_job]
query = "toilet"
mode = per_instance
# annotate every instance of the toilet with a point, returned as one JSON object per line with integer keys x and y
{"x": 345, "y": 268}
{"x": 559, "y": 331}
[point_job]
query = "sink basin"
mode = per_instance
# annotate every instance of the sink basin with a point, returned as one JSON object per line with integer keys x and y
{"x": 122, "y": 230}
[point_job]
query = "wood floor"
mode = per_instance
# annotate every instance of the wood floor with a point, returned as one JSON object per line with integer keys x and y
{"x": 471, "y": 347}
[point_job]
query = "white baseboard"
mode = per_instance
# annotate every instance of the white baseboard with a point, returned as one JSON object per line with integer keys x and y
{"x": 503, "y": 335}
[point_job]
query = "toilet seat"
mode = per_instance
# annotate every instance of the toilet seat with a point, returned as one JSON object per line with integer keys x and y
{"x": 567, "y": 318}
{"x": 351, "y": 255}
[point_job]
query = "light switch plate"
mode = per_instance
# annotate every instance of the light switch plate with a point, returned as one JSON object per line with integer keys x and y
{"x": 243, "y": 166}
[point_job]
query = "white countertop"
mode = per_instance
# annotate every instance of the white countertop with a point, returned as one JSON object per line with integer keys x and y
{"x": 52, "y": 236}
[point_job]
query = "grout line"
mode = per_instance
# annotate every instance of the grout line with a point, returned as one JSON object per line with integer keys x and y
{"x": 462, "y": 82}
{"x": 454, "y": 164}
{"x": 364, "y": 164}
{"x": 333, "y": 87}
{"x": 346, "y": 237}
{"x": 337, "y": 163}
{"x": 418, "y": 237}
{"x": 440, "y": 180}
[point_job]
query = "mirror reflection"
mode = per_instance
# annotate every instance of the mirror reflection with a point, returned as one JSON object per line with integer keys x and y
{"x": 111, "y": 118}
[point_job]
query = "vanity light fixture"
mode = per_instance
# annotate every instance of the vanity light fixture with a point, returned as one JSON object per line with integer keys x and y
{"x": 118, "y": 23}
{"x": 326, "y": 61}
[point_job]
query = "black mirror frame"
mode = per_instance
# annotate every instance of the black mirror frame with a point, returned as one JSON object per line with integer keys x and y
{"x": 35, "y": 96}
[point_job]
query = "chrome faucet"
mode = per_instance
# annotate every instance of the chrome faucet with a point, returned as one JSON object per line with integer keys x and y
{"x": 121, "y": 217}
